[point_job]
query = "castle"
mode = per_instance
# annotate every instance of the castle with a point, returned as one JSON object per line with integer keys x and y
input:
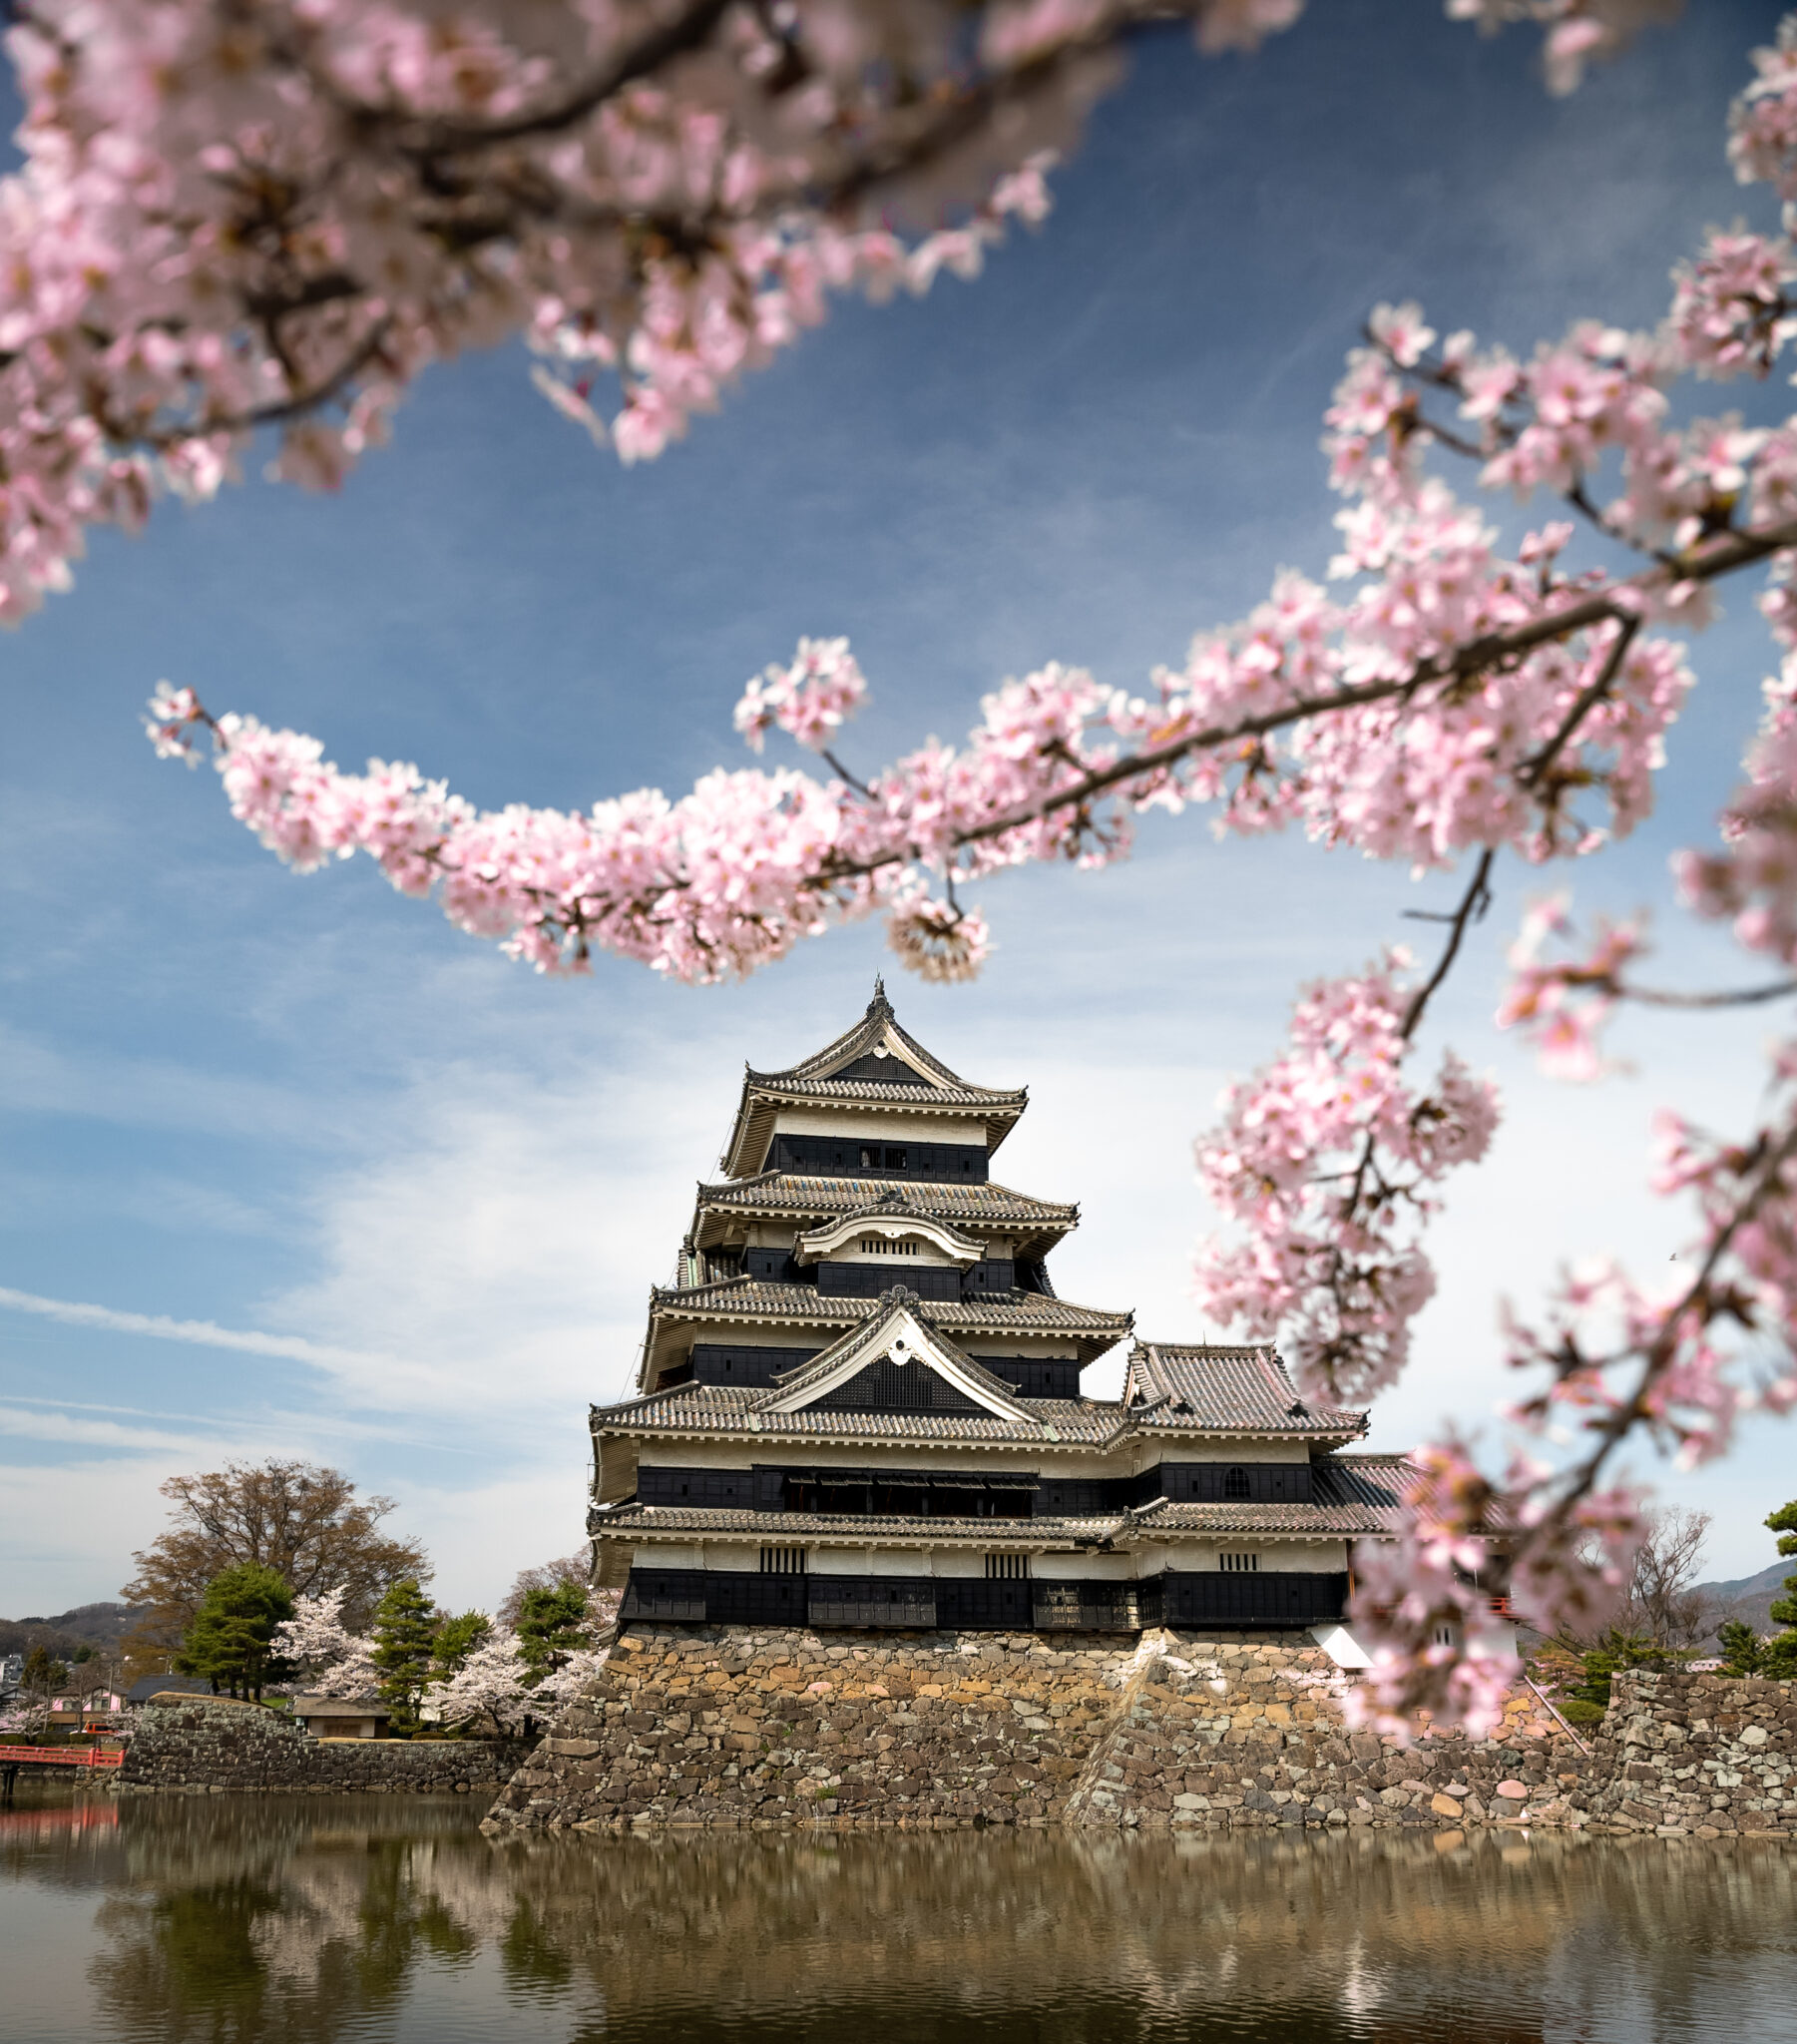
{"x": 859, "y": 1406}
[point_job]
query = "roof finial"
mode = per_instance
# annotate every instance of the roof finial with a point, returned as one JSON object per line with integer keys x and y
{"x": 879, "y": 1004}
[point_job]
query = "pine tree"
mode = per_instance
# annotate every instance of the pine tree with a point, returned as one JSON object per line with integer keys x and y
{"x": 231, "y": 1640}
{"x": 552, "y": 1626}
{"x": 405, "y": 1636}
{"x": 1780, "y": 1655}
{"x": 457, "y": 1637}
{"x": 1743, "y": 1651}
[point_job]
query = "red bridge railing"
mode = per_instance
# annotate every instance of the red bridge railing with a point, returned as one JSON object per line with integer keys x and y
{"x": 63, "y": 1756}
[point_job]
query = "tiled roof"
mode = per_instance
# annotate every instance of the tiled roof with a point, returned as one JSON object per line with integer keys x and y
{"x": 1244, "y": 1388}
{"x": 1319, "y": 1516}
{"x": 874, "y": 1028}
{"x": 900, "y": 1091}
{"x": 796, "y": 1192}
{"x": 868, "y": 1341}
{"x": 919, "y": 1082}
{"x": 1116, "y": 1529}
{"x": 725, "y": 1409}
{"x": 1378, "y": 1477}
{"x": 638, "y": 1520}
{"x": 1021, "y": 1313}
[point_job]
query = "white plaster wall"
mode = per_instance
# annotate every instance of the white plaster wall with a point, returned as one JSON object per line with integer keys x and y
{"x": 879, "y": 1126}
{"x": 1101, "y": 1568}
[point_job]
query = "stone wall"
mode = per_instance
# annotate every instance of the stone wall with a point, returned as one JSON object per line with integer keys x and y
{"x": 728, "y": 1726}
{"x": 210, "y": 1743}
{"x": 1699, "y": 1753}
{"x": 731, "y": 1725}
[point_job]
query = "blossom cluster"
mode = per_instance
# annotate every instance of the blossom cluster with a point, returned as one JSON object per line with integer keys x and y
{"x": 243, "y": 213}
{"x": 1439, "y": 695}
{"x": 494, "y": 1682}
{"x": 1325, "y": 1160}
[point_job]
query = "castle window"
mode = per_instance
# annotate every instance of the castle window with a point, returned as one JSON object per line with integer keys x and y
{"x": 1240, "y": 1564}
{"x": 877, "y": 1245}
{"x": 896, "y": 1160}
{"x": 782, "y": 1561}
{"x": 1236, "y": 1484}
{"x": 1008, "y": 1568}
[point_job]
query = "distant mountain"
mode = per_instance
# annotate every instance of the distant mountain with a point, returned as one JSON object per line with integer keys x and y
{"x": 99, "y": 1626}
{"x": 1748, "y": 1598}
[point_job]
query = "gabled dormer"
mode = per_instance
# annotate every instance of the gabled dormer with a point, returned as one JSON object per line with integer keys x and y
{"x": 897, "y": 1361}
{"x": 873, "y": 1103}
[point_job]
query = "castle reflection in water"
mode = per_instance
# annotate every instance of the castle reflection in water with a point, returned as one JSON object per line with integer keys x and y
{"x": 239, "y": 1920}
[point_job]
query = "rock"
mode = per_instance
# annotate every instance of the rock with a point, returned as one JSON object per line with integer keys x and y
{"x": 1445, "y": 1805}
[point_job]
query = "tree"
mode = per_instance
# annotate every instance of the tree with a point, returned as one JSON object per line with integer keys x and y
{"x": 552, "y": 1628}
{"x": 455, "y": 1640}
{"x": 42, "y": 1678}
{"x": 1661, "y": 1604}
{"x": 1743, "y": 1651}
{"x": 1781, "y": 1656}
{"x": 303, "y": 1521}
{"x": 549, "y": 1575}
{"x": 405, "y": 1633}
{"x": 232, "y": 1637}
{"x": 1465, "y": 700}
{"x": 326, "y": 1657}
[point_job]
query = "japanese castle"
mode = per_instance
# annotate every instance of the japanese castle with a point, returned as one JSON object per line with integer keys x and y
{"x": 860, "y": 1402}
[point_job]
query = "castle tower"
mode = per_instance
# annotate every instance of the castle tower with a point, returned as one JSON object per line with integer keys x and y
{"x": 860, "y": 1406}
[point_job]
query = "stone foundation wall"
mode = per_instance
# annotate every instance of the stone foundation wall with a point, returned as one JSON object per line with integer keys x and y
{"x": 210, "y": 1743}
{"x": 1699, "y": 1753}
{"x": 728, "y": 1725}
{"x": 731, "y": 1725}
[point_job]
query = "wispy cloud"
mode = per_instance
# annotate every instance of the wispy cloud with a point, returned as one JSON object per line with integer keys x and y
{"x": 195, "y": 1333}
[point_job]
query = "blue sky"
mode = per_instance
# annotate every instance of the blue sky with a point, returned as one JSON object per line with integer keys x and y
{"x": 439, "y": 1187}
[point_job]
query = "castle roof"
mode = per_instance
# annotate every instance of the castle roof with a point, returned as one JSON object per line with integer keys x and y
{"x": 874, "y": 1064}
{"x": 767, "y": 1303}
{"x": 898, "y": 1329}
{"x": 728, "y": 1412}
{"x": 802, "y": 1196}
{"x": 1355, "y": 1494}
{"x": 1227, "y": 1386}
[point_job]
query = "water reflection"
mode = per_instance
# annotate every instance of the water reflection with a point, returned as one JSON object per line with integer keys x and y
{"x": 237, "y": 1920}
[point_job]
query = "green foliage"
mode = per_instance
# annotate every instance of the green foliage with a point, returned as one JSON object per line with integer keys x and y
{"x": 1577, "y": 1711}
{"x": 1743, "y": 1651}
{"x": 1783, "y": 1522}
{"x": 1780, "y": 1658}
{"x": 550, "y": 1627}
{"x": 457, "y": 1637}
{"x": 42, "y": 1675}
{"x": 405, "y": 1639}
{"x": 1616, "y": 1648}
{"x": 230, "y": 1639}
{"x": 83, "y": 1653}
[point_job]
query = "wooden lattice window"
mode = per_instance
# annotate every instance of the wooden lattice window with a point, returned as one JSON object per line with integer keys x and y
{"x": 1008, "y": 1568}
{"x": 1240, "y": 1564}
{"x": 1236, "y": 1484}
{"x": 782, "y": 1561}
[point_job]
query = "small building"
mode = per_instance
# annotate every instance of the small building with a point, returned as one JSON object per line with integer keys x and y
{"x": 148, "y": 1687}
{"x": 341, "y": 1717}
{"x": 860, "y": 1403}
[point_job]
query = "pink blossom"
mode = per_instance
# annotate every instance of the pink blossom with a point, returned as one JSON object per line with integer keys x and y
{"x": 812, "y": 699}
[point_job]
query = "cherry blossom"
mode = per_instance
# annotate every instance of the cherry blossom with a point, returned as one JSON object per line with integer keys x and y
{"x": 1325, "y": 1162}
{"x": 330, "y": 1659}
{"x": 1441, "y": 695}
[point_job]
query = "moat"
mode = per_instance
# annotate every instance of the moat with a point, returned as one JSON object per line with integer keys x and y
{"x": 237, "y": 1919}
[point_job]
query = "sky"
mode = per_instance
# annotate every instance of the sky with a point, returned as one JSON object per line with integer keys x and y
{"x": 290, "y": 1167}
